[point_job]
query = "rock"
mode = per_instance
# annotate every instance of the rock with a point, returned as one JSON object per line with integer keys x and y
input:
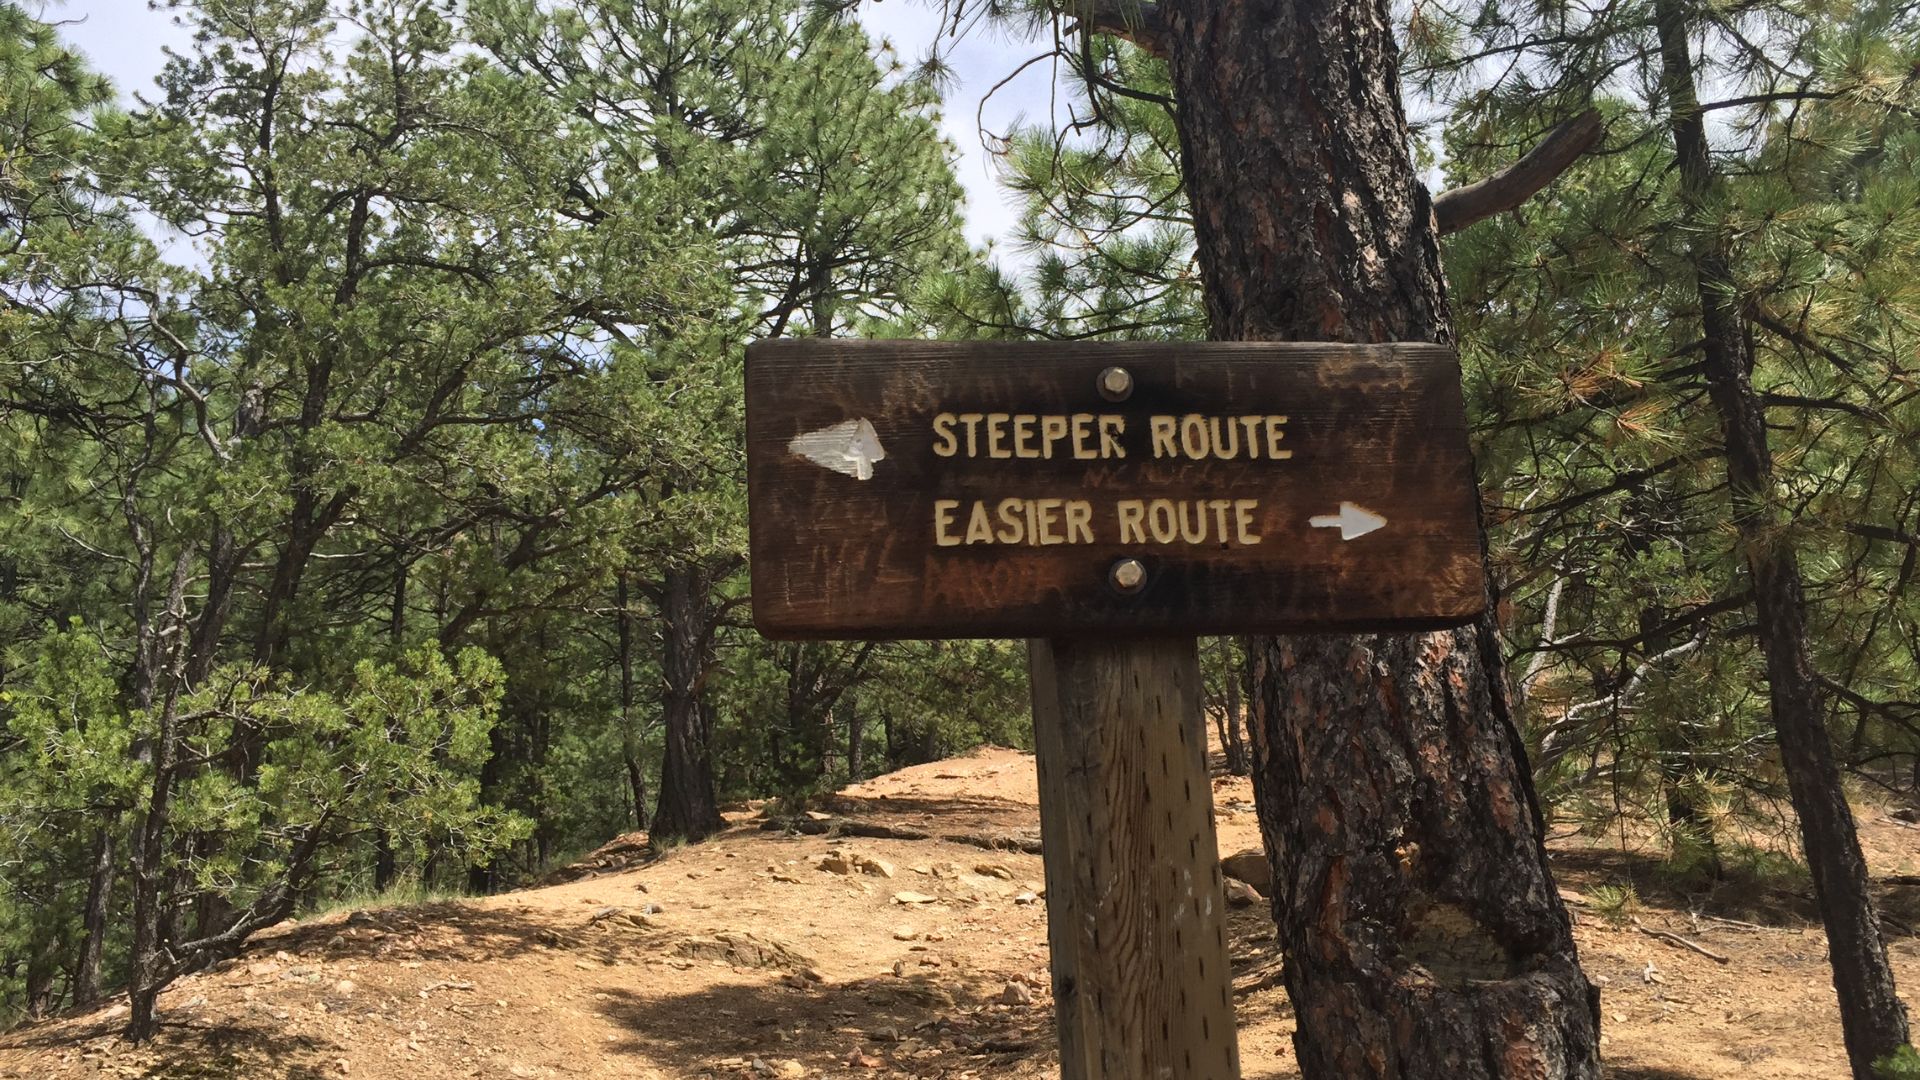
{"x": 345, "y": 988}
{"x": 993, "y": 870}
{"x": 876, "y": 867}
{"x": 1910, "y": 814}
{"x": 905, "y": 933}
{"x": 789, "y": 1068}
{"x": 785, "y": 877}
{"x": 834, "y": 862}
{"x": 860, "y": 1059}
{"x": 1016, "y": 993}
{"x": 1027, "y": 898}
{"x": 1241, "y": 894}
{"x": 1251, "y": 867}
{"x": 911, "y": 897}
{"x": 263, "y": 968}
{"x": 818, "y": 816}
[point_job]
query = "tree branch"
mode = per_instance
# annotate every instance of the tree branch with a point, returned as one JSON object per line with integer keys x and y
{"x": 1140, "y": 23}
{"x": 1462, "y": 206}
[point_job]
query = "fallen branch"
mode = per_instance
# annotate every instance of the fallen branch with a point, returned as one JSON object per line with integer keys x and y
{"x": 1685, "y": 943}
{"x": 1901, "y": 879}
{"x": 875, "y": 831}
{"x": 1262, "y": 981}
{"x": 1462, "y": 206}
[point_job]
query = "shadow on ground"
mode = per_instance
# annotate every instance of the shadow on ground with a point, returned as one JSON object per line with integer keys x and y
{"x": 919, "y": 1024}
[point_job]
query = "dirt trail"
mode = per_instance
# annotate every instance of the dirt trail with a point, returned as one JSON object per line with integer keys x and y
{"x": 742, "y": 957}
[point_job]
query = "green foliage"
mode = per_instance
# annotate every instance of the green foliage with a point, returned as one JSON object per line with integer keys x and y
{"x": 1902, "y": 1064}
{"x": 1599, "y": 447}
{"x": 1617, "y": 904}
{"x": 341, "y": 532}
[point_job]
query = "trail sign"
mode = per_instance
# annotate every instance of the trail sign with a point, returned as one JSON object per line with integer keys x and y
{"x": 993, "y": 489}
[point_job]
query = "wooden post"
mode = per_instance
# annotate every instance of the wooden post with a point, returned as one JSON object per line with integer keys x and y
{"x": 1136, "y": 915}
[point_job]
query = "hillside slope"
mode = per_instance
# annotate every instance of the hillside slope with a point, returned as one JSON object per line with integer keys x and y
{"x": 764, "y": 953}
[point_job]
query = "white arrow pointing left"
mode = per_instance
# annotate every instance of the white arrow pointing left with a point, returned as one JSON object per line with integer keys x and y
{"x": 850, "y": 447}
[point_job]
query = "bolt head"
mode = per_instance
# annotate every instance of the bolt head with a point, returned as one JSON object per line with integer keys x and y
{"x": 1127, "y": 575}
{"x": 1116, "y": 383}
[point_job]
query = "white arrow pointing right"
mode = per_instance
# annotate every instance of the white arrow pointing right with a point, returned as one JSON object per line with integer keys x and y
{"x": 1352, "y": 521}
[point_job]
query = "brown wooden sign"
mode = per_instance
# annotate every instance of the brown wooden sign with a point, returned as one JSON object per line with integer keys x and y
{"x": 990, "y": 489}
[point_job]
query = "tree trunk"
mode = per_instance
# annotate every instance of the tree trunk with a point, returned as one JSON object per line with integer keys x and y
{"x": 854, "y": 762}
{"x": 1232, "y": 744}
{"x": 629, "y": 735}
{"x": 1872, "y": 1019}
{"x": 42, "y": 966}
{"x": 93, "y": 920}
{"x": 1423, "y": 933}
{"x": 688, "y": 808}
{"x": 149, "y": 872}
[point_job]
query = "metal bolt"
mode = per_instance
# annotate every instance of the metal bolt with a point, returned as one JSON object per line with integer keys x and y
{"x": 1116, "y": 384}
{"x": 1127, "y": 575}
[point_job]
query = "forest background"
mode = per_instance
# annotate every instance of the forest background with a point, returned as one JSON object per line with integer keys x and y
{"x": 393, "y": 543}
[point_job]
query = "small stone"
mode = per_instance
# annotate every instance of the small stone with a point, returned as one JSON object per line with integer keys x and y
{"x": 872, "y": 866}
{"x": 905, "y": 933}
{"x": 345, "y": 987}
{"x": 1240, "y": 894}
{"x": 1027, "y": 898}
{"x": 911, "y": 897}
{"x": 789, "y": 1068}
{"x": 993, "y": 870}
{"x": 1249, "y": 865}
{"x": 834, "y": 862}
{"x": 1016, "y": 993}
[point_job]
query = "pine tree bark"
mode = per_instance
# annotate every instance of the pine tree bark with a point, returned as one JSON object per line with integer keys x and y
{"x": 93, "y": 918}
{"x": 688, "y": 809}
{"x": 855, "y": 764}
{"x": 1872, "y": 1019}
{"x": 629, "y": 733}
{"x": 1422, "y": 930}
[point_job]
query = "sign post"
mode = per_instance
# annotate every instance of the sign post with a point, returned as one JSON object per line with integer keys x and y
{"x": 1109, "y": 502}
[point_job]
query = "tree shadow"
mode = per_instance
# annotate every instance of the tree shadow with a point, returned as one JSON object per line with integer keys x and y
{"x": 183, "y": 1049}
{"x": 1765, "y": 900}
{"x": 919, "y": 1024}
{"x": 449, "y": 930}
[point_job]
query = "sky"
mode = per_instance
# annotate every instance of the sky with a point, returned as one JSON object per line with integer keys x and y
{"x": 124, "y": 40}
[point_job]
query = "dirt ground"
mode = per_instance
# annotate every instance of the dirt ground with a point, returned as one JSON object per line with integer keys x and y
{"x": 741, "y": 957}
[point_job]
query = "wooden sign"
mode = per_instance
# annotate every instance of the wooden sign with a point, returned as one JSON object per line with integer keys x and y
{"x": 991, "y": 489}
